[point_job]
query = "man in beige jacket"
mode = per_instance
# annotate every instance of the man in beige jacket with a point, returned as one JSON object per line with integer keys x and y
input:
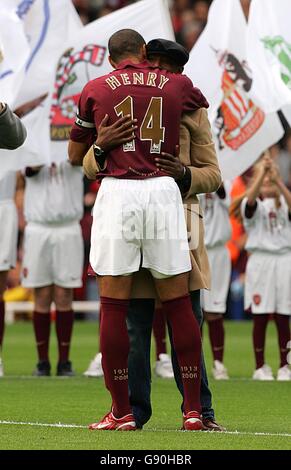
{"x": 195, "y": 171}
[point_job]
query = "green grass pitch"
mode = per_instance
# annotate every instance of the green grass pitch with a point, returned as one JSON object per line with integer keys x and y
{"x": 257, "y": 415}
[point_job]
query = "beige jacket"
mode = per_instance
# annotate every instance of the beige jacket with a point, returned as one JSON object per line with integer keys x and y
{"x": 197, "y": 151}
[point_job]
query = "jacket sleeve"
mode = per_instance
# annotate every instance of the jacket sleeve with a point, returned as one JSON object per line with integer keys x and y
{"x": 12, "y": 131}
{"x": 196, "y": 140}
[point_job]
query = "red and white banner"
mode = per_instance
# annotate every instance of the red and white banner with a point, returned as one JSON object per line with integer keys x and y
{"x": 218, "y": 65}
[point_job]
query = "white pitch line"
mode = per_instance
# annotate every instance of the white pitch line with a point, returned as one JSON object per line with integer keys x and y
{"x": 78, "y": 426}
{"x": 44, "y": 425}
{"x": 80, "y": 376}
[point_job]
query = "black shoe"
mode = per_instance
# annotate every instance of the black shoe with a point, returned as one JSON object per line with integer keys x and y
{"x": 43, "y": 369}
{"x": 64, "y": 369}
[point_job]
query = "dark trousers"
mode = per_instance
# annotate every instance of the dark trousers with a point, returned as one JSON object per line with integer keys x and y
{"x": 139, "y": 324}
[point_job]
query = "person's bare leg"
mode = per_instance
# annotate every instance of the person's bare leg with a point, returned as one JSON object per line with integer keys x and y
{"x": 115, "y": 287}
{"x": 114, "y": 341}
{"x": 63, "y": 298}
{"x": 43, "y": 299}
{"x": 174, "y": 294}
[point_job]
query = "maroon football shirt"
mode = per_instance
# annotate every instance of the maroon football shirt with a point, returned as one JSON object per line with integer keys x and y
{"x": 156, "y": 98}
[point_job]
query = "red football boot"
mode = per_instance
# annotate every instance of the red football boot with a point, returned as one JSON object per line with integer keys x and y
{"x": 192, "y": 421}
{"x": 110, "y": 423}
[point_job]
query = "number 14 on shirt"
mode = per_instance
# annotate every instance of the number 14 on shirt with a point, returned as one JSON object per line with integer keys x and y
{"x": 151, "y": 127}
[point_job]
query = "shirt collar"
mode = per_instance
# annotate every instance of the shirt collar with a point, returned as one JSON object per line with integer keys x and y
{"x": 128, "y": 64}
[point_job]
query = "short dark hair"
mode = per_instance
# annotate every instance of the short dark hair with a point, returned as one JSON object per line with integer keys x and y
{"x": 125, "y": 43}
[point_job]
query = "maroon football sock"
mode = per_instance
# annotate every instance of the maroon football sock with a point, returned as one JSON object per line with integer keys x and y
{"x": 187, "y": 344}
{"x": 216, "y": 336}
{"x": 114, "y": 346}
{"x": 100, "y": 320}
{"x": 42, "y": 326}
{"x": 283, "y": 329}
{"x": 2, "y": 324}
{"x": 159, "y": 330}
{"x": 64, "y": 328}
{"x": 259, "y": 338}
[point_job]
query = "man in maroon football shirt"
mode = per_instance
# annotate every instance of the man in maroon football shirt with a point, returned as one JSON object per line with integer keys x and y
{"x": 138, "y": 218}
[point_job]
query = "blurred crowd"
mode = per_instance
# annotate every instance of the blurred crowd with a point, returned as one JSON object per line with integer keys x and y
{"x": 189, "y": 18}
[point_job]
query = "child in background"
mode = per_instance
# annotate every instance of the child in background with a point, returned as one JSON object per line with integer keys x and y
{"x": 266, "y": 213}
{"x": 8, "y": 243}
{"x": 217, "y": 232}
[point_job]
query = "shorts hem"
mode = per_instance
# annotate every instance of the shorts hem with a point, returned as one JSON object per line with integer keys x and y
{"x": 217, "y": 310}
{"x": 120, "y": 272}
{"x": 270, "y": 313}
{"x": 35, "y": 285}
{"x": 167, "y": 272}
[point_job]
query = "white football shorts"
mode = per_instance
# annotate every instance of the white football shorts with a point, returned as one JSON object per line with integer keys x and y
{"x": 214, "y": 300}
{"x": 8, "y": 235}
{"x": 268, "y": 283}
{"x": 53, "y": 254}
{"x": 139, "y": 223}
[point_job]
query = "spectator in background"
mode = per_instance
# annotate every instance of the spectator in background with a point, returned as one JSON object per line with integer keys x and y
{"x": 189, "y": 18}
{"x": 87, "y": 9}
{"x": 189, "y": 34}
{"x": 200, "y": 9}
{"x": 90, "y": 10}
{"x": 246, "y": 7}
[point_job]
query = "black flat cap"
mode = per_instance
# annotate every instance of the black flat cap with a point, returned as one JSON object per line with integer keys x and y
{"x": 171, "y": 49}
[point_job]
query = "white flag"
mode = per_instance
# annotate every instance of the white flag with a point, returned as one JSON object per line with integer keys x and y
{"x": 48, "y": 24}
{"x": 14, "y": 52}
{"x": 269, "y": 52}
{"x": 217, "y": 65}
{"x": 85, "y": 57}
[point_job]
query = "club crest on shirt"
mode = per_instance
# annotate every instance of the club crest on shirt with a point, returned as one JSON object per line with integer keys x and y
{"x": 237, "y": 118}
{"x": 257, "y": 299}
{"x": 71, "y": 76}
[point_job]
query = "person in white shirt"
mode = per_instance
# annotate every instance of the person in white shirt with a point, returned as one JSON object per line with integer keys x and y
{"x": 8, "y": 242}
{"x": 12, "y": 131}
{"x": 217, "y": 232}
{"x": 53, "y": 254}
{"x": 266, "y": 212}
